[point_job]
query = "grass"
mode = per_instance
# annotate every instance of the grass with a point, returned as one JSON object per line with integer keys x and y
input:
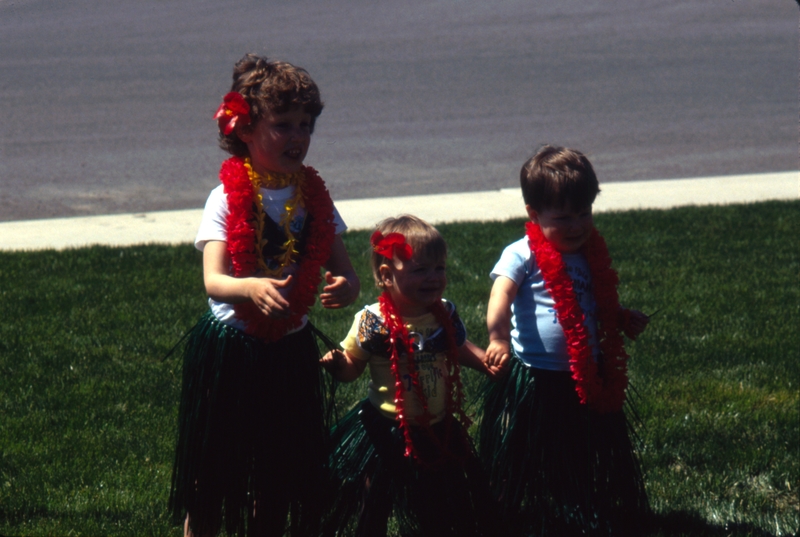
{"x": 88, "y": 403}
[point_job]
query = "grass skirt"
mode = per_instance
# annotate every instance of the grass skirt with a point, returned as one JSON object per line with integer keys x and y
{"x": 557, "y": 468}
{"x": 376, "y": 480}
{"x": 253, "y": 426}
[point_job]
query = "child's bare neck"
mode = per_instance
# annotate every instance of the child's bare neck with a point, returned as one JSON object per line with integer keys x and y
{"x": 407, "y": 310}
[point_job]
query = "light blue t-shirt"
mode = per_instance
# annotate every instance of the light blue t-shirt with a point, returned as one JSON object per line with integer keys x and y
{"x": 536, "y": 335}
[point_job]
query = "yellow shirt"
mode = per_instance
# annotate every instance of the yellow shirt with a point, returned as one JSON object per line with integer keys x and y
{"x": 368, "y": 341}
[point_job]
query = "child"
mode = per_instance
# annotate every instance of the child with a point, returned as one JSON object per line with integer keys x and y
{"x": 405, "y": 447}
{"x": 252, "y": 441}
{"x": 553, "y": 427}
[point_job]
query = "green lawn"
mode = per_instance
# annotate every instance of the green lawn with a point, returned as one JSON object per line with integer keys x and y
{"x": 88, "y": 403}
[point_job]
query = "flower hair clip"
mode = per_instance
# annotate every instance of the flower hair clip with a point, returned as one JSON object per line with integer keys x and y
{"x": 233, "y": 110}
{"x": 391, "y": 245}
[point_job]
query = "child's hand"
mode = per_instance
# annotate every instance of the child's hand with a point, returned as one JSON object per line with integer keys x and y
{"x": 498, "y": 357}
{"x": 333, "y": 361}
{"x": 472, "y": 356}
{"x": 339, "y": 292}
{"x": 269, "y": 295}
{"x": 633, "y": 323}
{"x": 342, "y": 366}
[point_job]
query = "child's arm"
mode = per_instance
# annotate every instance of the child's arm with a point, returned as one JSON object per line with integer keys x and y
{"x": 472, "y": 356}
{"x": 633, "y": 322}
{"x": 343, "y": 284}
{"x": 498, "y": 321}
{"x": 342, "y": 366}
{"x": 222, "y": 287}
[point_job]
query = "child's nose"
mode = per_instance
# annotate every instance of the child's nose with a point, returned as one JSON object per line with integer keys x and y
{"x": 438, "y": 276}
{"x": 300, "y": 133}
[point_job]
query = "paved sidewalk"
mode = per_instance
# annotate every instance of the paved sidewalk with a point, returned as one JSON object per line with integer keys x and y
{"x": 175, "y": 227}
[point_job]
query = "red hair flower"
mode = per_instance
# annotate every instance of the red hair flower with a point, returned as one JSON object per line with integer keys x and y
{"x": 233, "y": 110}
{"x": 391, "y": 245}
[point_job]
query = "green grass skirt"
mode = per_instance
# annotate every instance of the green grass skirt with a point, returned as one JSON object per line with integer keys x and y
{"x": 375, "y": 481}
{"x": 556, "y": 467}
{"x": 253, "y": 433}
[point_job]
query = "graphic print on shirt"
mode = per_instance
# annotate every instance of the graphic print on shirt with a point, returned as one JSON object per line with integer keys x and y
{"x": 429, "y": 343}
{"x": 297, "y": 224}
{"x": 274, "y": 240}
{"x": 430, "y": 375}
{"x": 582, "y": 285}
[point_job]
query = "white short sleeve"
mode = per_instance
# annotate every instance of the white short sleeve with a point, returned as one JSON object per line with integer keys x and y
{"x": 212, "y": 226}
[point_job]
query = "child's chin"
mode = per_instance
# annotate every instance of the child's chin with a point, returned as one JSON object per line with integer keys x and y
{"x": 570, "y": 247}
{"x": 434, "y": 299}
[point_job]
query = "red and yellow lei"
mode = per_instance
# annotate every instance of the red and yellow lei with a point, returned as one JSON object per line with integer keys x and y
{"x": 291, "y": 207}
{"x": 399, "y": 343}
{"x": 242, "y": 242}
{"x": 602, "y": 388}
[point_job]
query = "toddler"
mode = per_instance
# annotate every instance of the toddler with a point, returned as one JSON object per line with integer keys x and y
{"x": 553, "y": 430}
{"x": 405, "y": 448}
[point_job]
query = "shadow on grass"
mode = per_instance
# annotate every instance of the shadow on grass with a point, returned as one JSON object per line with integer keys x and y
{"x": 685, "y": 524}
{"x": 48, "y": 521}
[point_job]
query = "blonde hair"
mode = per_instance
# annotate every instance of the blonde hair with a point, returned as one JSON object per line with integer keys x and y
{"x": 424, "y": 239}
{"x": 270, "y": 86}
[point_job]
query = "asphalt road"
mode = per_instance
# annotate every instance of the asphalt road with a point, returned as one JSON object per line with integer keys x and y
{"x": 107, "y": 105}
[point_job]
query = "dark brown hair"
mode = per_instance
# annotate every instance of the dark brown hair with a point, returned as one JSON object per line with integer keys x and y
{"x": 270, "y": 86}
{"x": 557, "y": 177}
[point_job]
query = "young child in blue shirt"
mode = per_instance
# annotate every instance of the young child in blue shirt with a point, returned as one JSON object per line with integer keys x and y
{"x": 553, "y": 430}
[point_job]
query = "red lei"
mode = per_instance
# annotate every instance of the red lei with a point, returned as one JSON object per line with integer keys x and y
{"x": 399, "y": 342}
{"x": 603, "y": 390}
{"x": 240, "y": 229}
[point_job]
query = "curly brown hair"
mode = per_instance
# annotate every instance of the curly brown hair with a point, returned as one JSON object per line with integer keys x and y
{"x": 556, "y": 177}
{"x": 270, "y": 86}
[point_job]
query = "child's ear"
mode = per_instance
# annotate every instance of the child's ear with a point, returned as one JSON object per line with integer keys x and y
{"x": 244, "y": 133}
{"x": 386, "y": 275}
{"x": 532, "y": 214}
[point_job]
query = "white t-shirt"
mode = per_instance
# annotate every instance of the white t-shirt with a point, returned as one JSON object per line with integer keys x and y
{"x": 212, "y": 228}
{"x": 537, "y": 336}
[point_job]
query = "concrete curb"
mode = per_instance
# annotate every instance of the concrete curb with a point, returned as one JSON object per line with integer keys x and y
{"x": 175, "y": 227}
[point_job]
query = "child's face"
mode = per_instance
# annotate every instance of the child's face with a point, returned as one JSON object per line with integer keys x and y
{"x": 566, "y": 228}
{"x": 278, "y": 143}
{"x": 415, "y": 285}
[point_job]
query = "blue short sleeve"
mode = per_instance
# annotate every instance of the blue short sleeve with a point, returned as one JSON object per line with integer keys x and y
{"x": 515, "y": 262}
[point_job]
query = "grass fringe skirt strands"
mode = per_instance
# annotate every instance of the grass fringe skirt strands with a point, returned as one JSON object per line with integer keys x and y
{"x": 375, "y": 481}
{"x": 558, "y": 468}
{"x": 253, "y": 433}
